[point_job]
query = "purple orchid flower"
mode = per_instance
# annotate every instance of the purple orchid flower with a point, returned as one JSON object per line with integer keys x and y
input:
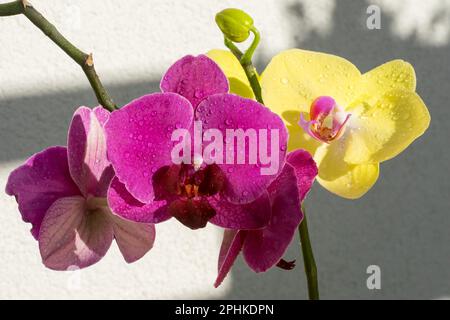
{"x": 62, "y": 193}
{"x": 149, "y": 187}
{"x": 264, "y": 248}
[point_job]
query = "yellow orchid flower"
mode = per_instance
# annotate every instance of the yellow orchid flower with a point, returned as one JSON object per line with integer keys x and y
{"x": 350, "y": 122}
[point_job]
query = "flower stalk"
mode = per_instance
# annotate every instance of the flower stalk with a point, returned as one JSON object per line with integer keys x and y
{"x": 236, "y": 26}
{"x": 245, "y": 59}
{"x": 308, "y": 259}
{"x": 84, "y": 60}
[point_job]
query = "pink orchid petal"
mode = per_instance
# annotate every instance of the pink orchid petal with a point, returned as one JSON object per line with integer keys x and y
{"x": 264, "y": 248}
{"x": 139, "y": 142}
{"x": 246, "y": 182}
{"x": 322, "y": 107}
{"x": 133, "y": 239}
{"x": 125, "y": 205}
{"x": 88, "y": 164}
{"x": 71, "y": 236}
{"x": 195, "y": 78}
{"x": 305, "y": 170}
{"x": 39, "y": 182}
{"x": 254, "y": 215}
{"x": 232, "y": 243}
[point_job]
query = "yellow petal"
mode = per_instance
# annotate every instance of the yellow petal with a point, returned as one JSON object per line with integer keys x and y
{"x": 393, "y": 75}
{"x": 232, "y": 68}
{"x": 295, "y": 78}
{"x": 343, "y": 179}
{"x": 380, "y": 132}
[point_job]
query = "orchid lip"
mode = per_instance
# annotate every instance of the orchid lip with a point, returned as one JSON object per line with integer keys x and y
{"x": 327, "y": 123}
{"x": 188, "y": 189}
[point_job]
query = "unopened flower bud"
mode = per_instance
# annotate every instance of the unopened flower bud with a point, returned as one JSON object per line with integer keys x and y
{"x": 235, "y": 24}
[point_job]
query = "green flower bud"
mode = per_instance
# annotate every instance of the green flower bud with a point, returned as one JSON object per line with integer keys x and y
{"x": 235, "y": 24}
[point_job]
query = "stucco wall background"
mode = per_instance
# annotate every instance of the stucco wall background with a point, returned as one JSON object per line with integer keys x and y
{"x": 402, "y": 224}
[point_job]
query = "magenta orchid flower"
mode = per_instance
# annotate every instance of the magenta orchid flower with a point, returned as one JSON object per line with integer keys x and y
{"x": 264, "y": 248}
{"x": 62, "y": 193}
{"x": 149, "y": 187}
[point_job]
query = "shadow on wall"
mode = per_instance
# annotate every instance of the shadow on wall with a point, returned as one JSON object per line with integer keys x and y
{"x": 402, "y": 225}
{"x": 32, "y": 123}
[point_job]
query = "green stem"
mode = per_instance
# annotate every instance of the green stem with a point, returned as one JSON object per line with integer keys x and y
{"x": 252, "y": 76}
{"x": 245, "y": 60}
{"x": 308, "y": 259}
{"x": 11, "y": 8}
{"x": 247, "y": 57}
{"x": 305, "y": 242}
{"x": 84, "y": 60}
{"x": 234, "y": 50}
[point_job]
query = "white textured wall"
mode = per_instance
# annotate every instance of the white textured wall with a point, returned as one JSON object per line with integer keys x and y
{"x": 401, "y": 225}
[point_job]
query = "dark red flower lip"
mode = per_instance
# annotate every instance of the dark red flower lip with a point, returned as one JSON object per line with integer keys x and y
{"x": 187, "y": 189}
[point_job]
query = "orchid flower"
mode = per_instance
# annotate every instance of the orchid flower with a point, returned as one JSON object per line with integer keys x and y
{"x": 61, "y": 191}
{"x": 264, "y": 248}
{"x": 350, "y": 122}
{"x": 150, "y": 187}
